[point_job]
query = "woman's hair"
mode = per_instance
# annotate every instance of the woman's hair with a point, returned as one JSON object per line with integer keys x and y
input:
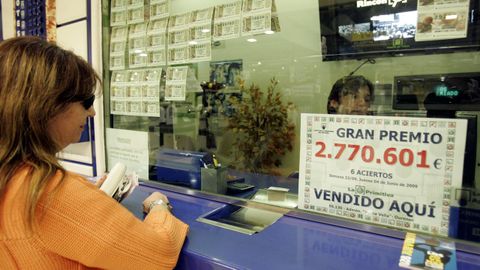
{"x": 38, "y": 80}
{"x": 345, "y": 86}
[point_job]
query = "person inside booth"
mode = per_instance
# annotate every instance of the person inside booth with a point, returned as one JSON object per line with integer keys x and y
{"x": 351, "y": 95}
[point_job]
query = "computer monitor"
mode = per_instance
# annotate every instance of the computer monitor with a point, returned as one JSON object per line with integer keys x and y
{"x": 352, "y": 29}
{"x": 437, "y": 92}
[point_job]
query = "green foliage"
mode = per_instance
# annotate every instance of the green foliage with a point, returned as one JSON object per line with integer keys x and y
{"x": 264, "y": 132}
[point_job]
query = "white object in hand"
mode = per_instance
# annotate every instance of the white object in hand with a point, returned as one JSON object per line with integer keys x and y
{"x": 114, "y": 179}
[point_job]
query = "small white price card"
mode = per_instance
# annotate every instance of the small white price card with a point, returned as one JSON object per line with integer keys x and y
{"x": 393, "y": 171}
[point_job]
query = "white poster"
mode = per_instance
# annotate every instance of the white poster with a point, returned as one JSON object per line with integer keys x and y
{"x": 130, "y": 148}
{"x": 393, "y": 171}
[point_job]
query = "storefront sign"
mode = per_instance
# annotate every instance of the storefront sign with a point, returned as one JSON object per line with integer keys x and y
{"x": 369, "y": 3}
{"x": 130, "y": 148}
{"x": 394, "y": 171}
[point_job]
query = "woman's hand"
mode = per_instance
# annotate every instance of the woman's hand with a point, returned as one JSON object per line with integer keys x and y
{"x": 101, "y": 180}
{"x": 155, "y": 196}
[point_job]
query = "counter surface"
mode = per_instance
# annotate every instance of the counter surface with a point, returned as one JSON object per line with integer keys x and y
{"x": 290, "y": 243}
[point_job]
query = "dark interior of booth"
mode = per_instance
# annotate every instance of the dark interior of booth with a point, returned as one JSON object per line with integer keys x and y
{"x": 355, "y": 30}
{"x": 444, "y": 96}
{"x": 454, "y": 95}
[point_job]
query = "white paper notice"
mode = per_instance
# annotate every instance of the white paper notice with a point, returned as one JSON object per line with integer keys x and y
{"x": 394, "y": 171}
{"x": 130, "y": 148}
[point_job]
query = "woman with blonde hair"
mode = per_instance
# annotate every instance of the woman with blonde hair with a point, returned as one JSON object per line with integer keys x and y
{"x": 51, "y": 218}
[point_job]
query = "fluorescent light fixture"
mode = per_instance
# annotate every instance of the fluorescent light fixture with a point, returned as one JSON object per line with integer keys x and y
{"x": 269, "y": 32}
{"x": 205, "y": 30}
{"x": 251, "y": 40}
{"x": 192, "y": 42}
{"x": 142, "y": 54}
{"x": 137, "y": 51}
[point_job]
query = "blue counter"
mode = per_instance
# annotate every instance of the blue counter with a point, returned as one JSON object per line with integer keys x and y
{"x": 297, "y": 240}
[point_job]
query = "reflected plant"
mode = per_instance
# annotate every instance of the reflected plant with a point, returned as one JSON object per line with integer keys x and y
{"x": 263, "y": 130}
